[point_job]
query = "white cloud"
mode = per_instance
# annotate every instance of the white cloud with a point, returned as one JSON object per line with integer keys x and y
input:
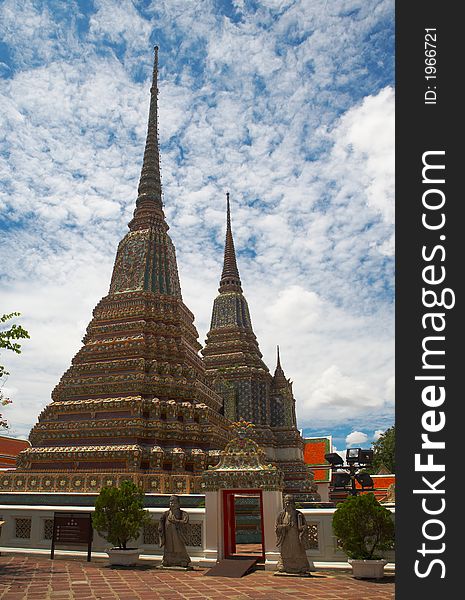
{"x": 377, "y": 434}
{"x": 364, "y": 139}
{"x": 118, "y": 22}
{"x": 356, "y": 437}
{"x": 314, "y": 237}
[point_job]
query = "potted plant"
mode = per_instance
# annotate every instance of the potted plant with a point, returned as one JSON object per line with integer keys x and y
{"x": 365, "y": 530}
{"x": 118, "y": 517}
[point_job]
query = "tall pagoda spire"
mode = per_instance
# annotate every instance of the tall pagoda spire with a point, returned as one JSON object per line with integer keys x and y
{"x": 231, "y": 346}
{"x": 230, "y": 307}
{"x": 235, "y": 369}
{"x": 150, "y": 179}
{"x": 134, "y": 399}
{"x": 230, "y": 280}
{"x": 149, "y": 200}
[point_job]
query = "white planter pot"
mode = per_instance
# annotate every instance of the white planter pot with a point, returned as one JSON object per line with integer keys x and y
{"x": 367, "y": 569}
{"x": 123, "y": 558}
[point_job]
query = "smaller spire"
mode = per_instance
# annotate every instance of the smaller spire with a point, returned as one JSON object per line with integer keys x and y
{"x": 279, "y": 378}
{"x": 230, "y": 280}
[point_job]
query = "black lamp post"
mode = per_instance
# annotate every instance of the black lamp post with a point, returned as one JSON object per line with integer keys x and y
{"x": 347, "y": 474}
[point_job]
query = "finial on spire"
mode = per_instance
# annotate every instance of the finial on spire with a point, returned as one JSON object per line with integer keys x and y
{"x": 278, "y": 364}
{"x": 155, "y": 69}
{"x": 230, "y": 280}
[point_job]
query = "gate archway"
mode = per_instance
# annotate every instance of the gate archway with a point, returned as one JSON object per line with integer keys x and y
{"x": 243, "y": 524}
{"x": 243, "y": 495}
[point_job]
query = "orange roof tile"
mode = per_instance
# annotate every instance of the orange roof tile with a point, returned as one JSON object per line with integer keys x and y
{"x": 322, "y": 475}
{"x": 381, "y": 482}
{"x": 315, "y": 450}
{"x": 12, "y": 446}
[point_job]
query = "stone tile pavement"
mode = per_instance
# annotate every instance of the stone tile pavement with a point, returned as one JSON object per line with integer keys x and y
{"x": 32, "y": 578}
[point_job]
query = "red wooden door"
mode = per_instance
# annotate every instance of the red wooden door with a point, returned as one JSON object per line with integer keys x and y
{"x": 229, "y": 520}
{"x": 229, "y": 524}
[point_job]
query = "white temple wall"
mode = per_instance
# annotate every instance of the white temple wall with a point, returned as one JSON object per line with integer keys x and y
{"x": 27, "y": 527}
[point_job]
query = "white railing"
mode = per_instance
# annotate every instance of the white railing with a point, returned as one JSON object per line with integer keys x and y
{"x": 326, "y": 547}
{"x": 29, "y": 528}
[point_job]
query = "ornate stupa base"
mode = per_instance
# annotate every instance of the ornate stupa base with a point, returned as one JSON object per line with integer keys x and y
{"x": 92, "y": 482}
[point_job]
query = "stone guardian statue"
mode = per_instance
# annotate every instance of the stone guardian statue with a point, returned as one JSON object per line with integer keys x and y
{"x": 173, "y": 535}
{"x": 291, "y": 536}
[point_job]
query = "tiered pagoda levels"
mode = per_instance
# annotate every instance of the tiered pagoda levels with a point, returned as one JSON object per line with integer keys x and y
{"x": 235, "y": 369}
{"x": 136, "y": 398}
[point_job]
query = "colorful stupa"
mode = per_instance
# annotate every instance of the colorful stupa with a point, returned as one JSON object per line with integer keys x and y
{"x": 135, "y": 399}
{"x": 235, "y": 369}
{"x": 138, "y": 399}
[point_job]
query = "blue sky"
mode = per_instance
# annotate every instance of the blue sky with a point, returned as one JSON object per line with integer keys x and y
{"x": 286, "y": 104}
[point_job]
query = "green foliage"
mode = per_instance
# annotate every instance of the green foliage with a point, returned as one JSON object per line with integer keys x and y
{"x": 363, "y": 527}
{"x": 14, "y": 332}
{"x": 119, "y": 513}
{"x": 385, "y": 451}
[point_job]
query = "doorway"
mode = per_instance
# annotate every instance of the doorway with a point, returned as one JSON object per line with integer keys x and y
{"x": 243, "y": 524}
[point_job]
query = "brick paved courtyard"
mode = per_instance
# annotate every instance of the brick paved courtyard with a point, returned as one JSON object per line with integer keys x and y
{"x": 29, "y": 578}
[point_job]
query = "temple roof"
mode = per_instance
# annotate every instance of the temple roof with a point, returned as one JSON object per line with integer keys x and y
{"x": 243, "y": 466}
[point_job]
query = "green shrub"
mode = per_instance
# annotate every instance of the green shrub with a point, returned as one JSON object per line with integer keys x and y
{"x": 363, "y": 527}
{"x": 119, "y": 513}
